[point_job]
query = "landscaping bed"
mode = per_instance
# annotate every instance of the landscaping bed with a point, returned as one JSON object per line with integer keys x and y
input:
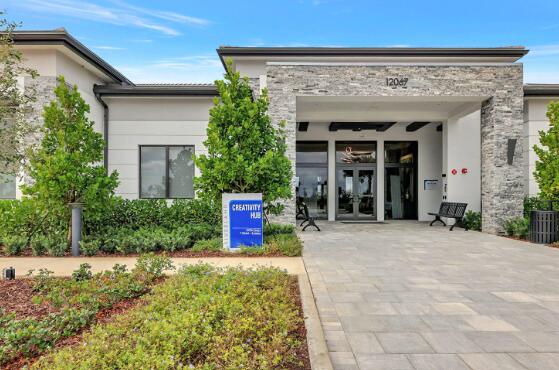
{"x": 185, "y": 228}
{"x": 202, "y": 317}
{"x": 43, "y": 310}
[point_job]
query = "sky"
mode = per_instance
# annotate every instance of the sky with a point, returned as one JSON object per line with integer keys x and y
{"x": 175, "y": 41}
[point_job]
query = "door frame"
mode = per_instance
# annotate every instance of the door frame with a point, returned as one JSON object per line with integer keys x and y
{"x": 414, "y": 166}
{"x": 354, "y": 167}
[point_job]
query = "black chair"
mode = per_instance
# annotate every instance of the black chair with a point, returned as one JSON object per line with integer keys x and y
{"x": 309, "y": 221}
{"x": 450, "y": 210}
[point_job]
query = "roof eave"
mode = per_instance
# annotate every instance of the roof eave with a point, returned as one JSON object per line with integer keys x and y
{"x": 193, "y": 91}
{"x": 63, "y": 38}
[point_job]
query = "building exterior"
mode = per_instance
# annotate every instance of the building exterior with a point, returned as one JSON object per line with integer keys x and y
{"x": 373, "y": 133}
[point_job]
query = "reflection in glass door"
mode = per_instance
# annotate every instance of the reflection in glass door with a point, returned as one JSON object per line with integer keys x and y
{"x": 365, "y": 193}
{"x": 356, "y": 193}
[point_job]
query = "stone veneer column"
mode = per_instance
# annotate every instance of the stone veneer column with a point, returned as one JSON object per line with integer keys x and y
{"x": 502, "y": 184}
{"x": 283, "y": 108}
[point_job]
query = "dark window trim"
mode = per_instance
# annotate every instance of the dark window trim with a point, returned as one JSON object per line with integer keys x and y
{"x": 311, "y": 164}
{"x": 166, "y": 168}
{"x": 414, "y": 166}
{"x": 315, "y": 165}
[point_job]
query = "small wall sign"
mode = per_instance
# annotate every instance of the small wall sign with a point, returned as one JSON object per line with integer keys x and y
{"x": 242, "y": 220}
{"x": 397, "y": 82}
{"x": 430, "y": 184}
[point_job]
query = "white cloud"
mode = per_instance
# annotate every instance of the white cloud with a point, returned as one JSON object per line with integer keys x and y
{"x": 107, "y": 47}
{"x": 544, "y": 50}
{"x": 121, "y": 14}
{"x": 183, "y": 69}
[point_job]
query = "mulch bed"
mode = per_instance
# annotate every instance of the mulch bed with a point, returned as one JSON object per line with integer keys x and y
{"x": 17, "y": 297}
{"x": 301, "y": 334}
{"x": 23, "y": 307}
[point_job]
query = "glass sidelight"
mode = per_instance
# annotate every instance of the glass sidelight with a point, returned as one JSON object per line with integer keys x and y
{"x": 400, "y": 180}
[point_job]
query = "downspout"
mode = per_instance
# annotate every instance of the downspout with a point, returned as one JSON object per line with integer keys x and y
{"x": 105, "y": 130}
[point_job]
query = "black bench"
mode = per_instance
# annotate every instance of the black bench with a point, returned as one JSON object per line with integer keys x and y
{"x": 450, "y": 210}
{"x": 309, "y": 221}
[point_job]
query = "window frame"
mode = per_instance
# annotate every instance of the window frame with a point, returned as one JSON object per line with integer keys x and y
{"x": 167, "y": 166}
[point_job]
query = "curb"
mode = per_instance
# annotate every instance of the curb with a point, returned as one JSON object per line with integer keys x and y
{"x": 318, "y": 351}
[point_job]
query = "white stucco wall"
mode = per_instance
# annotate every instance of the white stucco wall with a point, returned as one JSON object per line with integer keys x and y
{"x": 535, "y": 120}
{"x": 429, "y": 161}
{"x": 135, "y": 121}
{"x": 462, "y": 150}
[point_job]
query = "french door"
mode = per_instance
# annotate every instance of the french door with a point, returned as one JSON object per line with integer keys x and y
{"x": 356, "y": 187}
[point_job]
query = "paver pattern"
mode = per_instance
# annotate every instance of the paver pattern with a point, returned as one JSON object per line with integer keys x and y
{"x": 402, "y": 295}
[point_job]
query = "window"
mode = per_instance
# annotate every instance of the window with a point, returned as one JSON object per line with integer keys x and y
{"x": 356, "y": 152}
{"x": 312, "y": 176}
{"x": 166, "y": 171}
{"x": 7, "y": 186}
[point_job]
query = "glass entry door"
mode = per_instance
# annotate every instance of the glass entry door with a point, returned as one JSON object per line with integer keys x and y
{"x": 356, "y": 193}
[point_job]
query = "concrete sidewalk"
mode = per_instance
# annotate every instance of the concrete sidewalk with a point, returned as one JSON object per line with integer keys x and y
{"x": 63, "y": 266}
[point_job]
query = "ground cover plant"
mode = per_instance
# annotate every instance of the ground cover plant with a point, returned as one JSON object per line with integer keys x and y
{"x": 62, "y": 307}
{"x": 201, "y": 318}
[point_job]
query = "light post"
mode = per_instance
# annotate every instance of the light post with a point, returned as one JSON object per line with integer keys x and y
{"x": 76, "y": 227}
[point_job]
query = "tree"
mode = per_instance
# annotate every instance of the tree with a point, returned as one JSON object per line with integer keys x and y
{"x": 15, "y": 103}
{"x": 547, "y": 165}
{"x": 245, "y": 151}
{"x": 66, "y": 166}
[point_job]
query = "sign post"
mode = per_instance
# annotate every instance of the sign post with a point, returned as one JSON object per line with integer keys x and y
{"x": 242, "y": 220}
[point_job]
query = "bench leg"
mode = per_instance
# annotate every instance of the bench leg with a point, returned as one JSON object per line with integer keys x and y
{"x": 459, "y": 223}
{"x": 437, "y": 218}
{"x": 302, "y": 223}
{"x": 311, "y": 223}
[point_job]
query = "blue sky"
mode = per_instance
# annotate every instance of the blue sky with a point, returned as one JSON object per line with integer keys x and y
{"x": 175, "y": 41}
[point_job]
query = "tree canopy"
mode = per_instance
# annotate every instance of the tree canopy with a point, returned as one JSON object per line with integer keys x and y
{"x": 245, "y": 150}
{"x": 547, "y": 165}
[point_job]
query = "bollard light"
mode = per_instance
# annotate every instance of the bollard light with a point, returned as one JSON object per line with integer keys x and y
{"x": 9, "y": 273}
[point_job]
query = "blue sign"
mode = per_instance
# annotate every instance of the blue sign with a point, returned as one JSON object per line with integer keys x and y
{"x": 245, "y": 223}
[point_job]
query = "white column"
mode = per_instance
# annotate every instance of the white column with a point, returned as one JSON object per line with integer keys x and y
{"x": 332, "y": 180}
{"x": 380, "y": 180}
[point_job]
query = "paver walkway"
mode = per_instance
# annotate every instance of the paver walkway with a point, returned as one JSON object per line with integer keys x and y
{"x": 403, "y": 295}
{"x": 63, "y": 266}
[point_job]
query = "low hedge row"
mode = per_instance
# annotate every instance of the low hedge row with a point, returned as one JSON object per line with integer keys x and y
{"x": 201, "y": 318}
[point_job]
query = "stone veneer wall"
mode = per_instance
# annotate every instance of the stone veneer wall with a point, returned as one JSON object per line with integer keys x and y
{"x": 502, "y": 185}
{"x": 44, "y": 92}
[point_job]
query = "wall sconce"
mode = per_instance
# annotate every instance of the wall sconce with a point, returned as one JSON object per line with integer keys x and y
{"x": 511, "y": 146}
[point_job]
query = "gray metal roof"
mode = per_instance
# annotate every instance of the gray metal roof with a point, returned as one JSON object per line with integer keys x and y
{"x": 157, "y": 90}
{"x": 541, "y": 90}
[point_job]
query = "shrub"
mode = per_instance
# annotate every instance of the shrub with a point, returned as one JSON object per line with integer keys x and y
{"x": 148, "y": 213}
{"x": 287, "y": 245}
{"x": 275, "y": 229}
{"x": 472, "y": 220}
{"x": 517, "y": 226}
{"x": 39, "y": 245}
{"x": 154, "y": 265}
{"x": 90, "y": 247}
{"x": 201, "y": 318}
{"x": 83, "y": 272}
{"x": 57, "y": 246}
{"x": 14, "y": 245}
{"x": 213, "y": 245}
